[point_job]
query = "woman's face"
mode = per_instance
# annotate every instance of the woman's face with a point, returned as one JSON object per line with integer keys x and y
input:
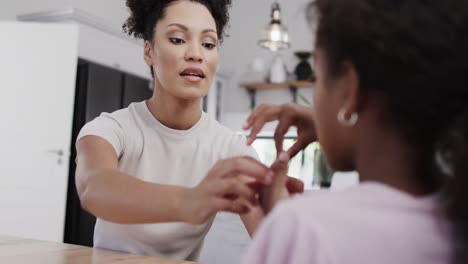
{"x": 184, "y": 52}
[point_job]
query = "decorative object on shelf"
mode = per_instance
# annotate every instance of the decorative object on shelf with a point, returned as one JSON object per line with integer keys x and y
{"x": 278, "y": 71}
{"x": 275, "y": 36}
{"x": 258, "y": 68}
{"x": 322, "y": 172}
{"x": 303, "y": 69}
{"x": 256, "y": 71}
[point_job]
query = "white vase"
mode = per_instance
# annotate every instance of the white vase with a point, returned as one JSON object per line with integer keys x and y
{"x": 278, "y": 72}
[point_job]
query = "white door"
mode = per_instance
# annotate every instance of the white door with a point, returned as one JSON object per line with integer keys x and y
{"x": 38, "y": 65}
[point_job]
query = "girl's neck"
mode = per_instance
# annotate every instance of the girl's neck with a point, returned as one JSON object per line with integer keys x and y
{"x": 385, "y": 157}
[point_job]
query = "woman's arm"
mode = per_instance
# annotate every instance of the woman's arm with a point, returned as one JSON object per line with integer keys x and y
{"x": 114, "y": 196}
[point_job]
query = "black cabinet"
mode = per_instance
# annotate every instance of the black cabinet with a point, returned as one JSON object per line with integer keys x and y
{"x": 135, "y": 89}
{"x": 98, "y": 89}
{"x": 104, "y": 90}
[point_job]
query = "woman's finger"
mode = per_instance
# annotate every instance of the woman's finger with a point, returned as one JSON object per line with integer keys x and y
{"x": 233, "y": 189}
{"x": 254, "y": 185}
{"x": 238, "y": 206}
{"x": 247, "y": 166}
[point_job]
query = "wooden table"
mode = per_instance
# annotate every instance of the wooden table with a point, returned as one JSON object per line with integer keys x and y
{"x": 25, "y": 251}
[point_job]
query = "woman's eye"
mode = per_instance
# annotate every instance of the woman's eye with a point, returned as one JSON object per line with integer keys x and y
{"x": 176, "y": 41}
{"x": 209, "y": 45}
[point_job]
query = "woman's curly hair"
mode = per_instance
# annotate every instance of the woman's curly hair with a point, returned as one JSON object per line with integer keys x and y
{"x": 146, "y": 13}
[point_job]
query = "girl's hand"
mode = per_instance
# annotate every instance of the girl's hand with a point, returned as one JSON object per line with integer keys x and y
{"x": 288, "y": 115}
{"x": 282, "y": 185}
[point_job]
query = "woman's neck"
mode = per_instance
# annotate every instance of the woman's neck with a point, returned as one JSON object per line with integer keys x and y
{"x": 174, "y": 112}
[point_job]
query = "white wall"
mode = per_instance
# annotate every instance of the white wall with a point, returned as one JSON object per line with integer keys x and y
{"x": 95, "y": 45}
{"x": 113, "y": 12}
{"x": 9, "y": 9}
{"x": 248, "y": 18}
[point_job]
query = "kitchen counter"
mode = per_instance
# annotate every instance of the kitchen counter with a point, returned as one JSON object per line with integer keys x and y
{"x": 26, "y": 251}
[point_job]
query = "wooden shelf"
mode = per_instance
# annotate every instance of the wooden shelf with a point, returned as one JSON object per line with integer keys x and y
{"x": 284, "y": 85}
{"x": 253, "y": 87}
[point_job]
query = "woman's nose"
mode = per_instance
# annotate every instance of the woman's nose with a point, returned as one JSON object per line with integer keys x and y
{"x": 194, "y": 54}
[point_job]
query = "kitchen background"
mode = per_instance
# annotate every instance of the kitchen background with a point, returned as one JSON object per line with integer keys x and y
{"x": 105, "y": 71}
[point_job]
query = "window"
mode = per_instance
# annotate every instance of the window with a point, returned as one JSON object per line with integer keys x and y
{"x": 301, "y": 166}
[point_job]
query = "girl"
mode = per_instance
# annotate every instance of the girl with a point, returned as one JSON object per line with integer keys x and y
{"x": 390, "y": 102}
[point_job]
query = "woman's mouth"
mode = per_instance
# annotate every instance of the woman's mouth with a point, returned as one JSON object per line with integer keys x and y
{"x": 193, "y": 74}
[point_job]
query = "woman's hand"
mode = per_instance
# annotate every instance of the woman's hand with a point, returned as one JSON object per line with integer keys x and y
{"x": 288, "y": 115}
{"x": 225, "y": 189}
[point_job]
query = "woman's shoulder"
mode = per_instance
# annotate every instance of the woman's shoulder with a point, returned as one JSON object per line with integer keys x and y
{"x": 220, "y": 132}
{"x": 120, "y": 116}
{"x": 126, "y": 119}
{"x": 216, "y": 127}
{"x": 113, "y": 126}
{"x": 228, "y": 142}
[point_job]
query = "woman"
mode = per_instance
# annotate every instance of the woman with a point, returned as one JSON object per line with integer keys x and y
{"x": 156, "y": 172}
{"x": 390, "y": 101}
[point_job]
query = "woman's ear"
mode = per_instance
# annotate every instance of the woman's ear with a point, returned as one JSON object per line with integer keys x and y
{"x": 148, "y": 53}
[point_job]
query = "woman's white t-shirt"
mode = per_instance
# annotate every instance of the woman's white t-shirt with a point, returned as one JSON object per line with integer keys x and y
{"x": 152, "y": 152}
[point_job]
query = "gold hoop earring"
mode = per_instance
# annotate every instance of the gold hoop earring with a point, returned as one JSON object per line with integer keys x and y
{"x": 353, "y": 119}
